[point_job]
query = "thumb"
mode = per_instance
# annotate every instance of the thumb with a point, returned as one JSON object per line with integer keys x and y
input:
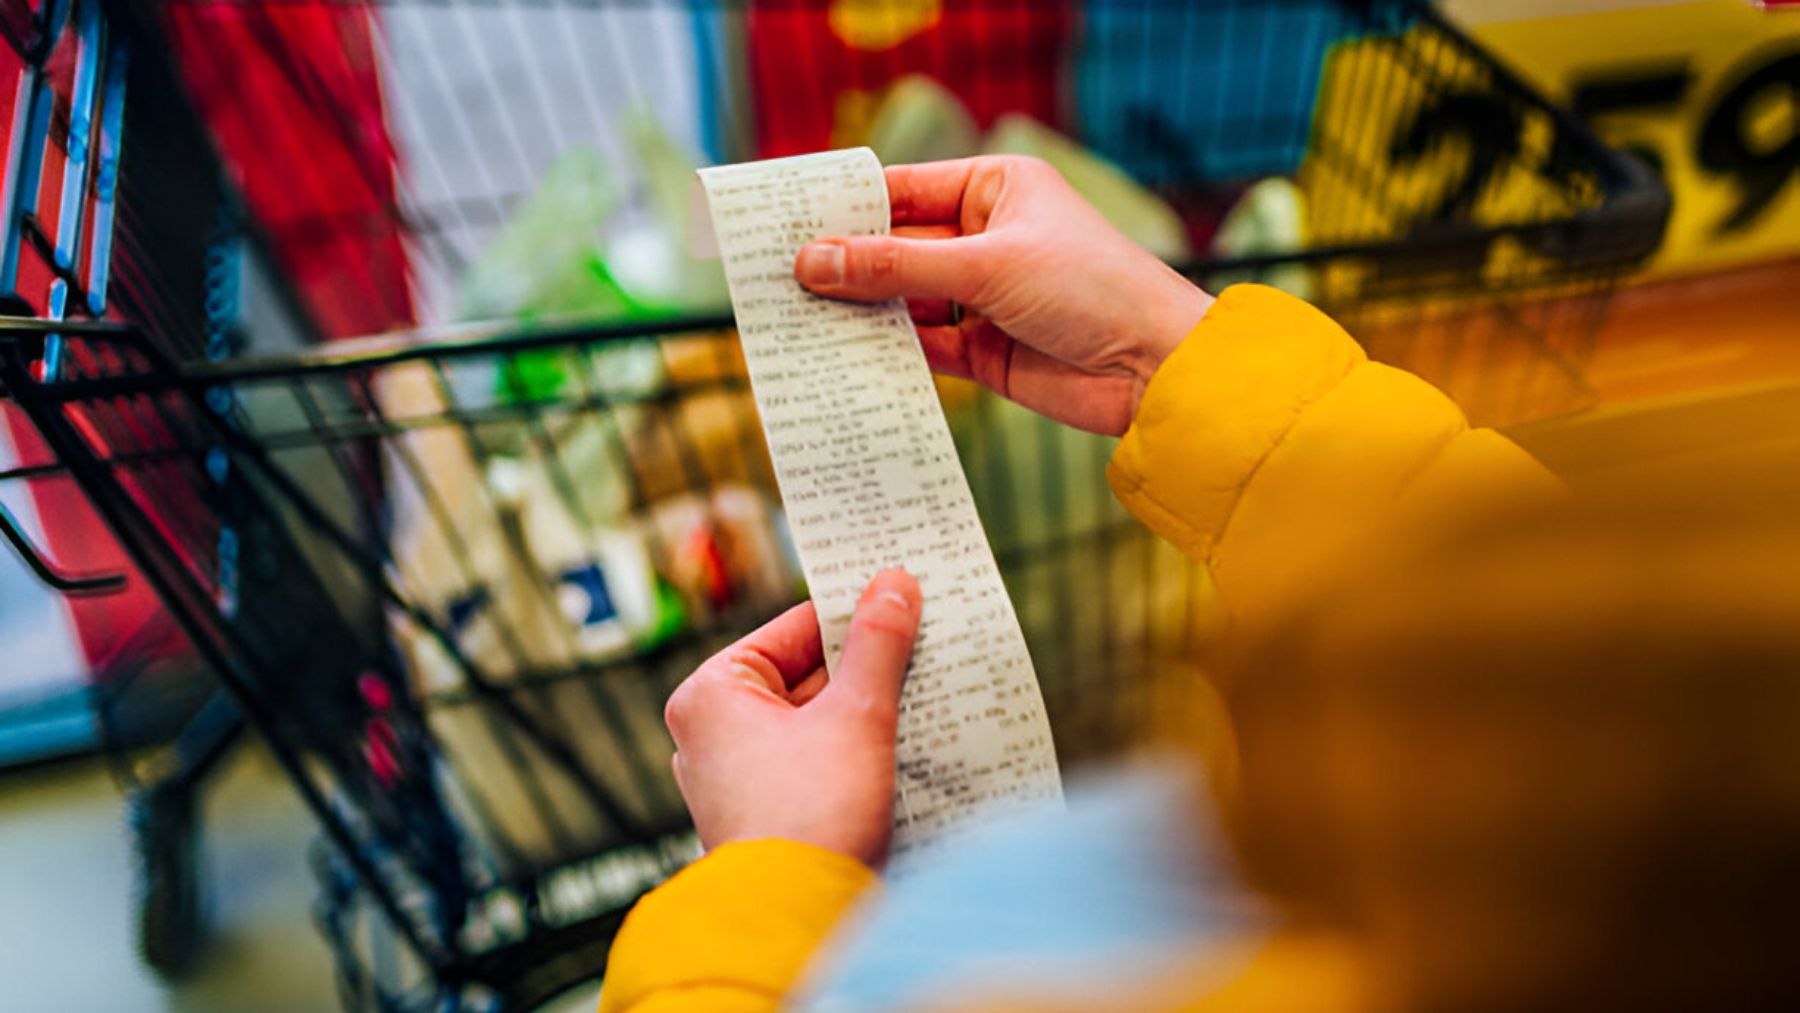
{"x": 880, "y": 642}
{"x": 873, "y": 268}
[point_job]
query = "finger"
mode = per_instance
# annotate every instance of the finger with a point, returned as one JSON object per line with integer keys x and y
{"x": 872, "y": 268}
{"x": 1053, "y": 388}
{"x": 929, "y": 192}
{"x": 944, "y": 350}
{"x": 758, "y": 677}
{"x": 809, "y": 687}
{"x": 979, "y": 351}
{"x": 780, "y": 653}
{"x": 926, "y": 231}
{"x": 880, "y": 642}
{"x": 931, "y": 312}
{"x": 762, "y": 665}
{"x": 974, "y": 349}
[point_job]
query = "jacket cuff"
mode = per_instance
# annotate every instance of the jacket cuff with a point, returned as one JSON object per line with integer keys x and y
{"x": 747, "y": 916}
{"x": 1216, "y": 408}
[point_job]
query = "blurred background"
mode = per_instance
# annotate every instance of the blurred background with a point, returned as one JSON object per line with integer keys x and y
{"x": 376, "y": 456}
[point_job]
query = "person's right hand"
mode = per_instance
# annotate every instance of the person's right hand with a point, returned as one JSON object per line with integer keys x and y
{"x": 1062, "y": 313}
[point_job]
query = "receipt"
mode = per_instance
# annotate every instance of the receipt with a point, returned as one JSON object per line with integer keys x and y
{"x": 870, "y": 479}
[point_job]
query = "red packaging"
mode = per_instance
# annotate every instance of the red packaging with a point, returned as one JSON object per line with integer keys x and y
{"x": 817, "y": 70}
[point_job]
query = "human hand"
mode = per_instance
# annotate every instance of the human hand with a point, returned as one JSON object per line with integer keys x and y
{"x": 768, "y": 745}
{"x": 1063, "y": 314}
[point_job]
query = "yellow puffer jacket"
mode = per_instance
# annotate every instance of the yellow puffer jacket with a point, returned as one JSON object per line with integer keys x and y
{"x": 1266, "y": 446}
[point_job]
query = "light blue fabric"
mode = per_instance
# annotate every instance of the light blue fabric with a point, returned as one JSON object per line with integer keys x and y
{"x": 1219, "y": 90}
{"x": 1126, "y": 880}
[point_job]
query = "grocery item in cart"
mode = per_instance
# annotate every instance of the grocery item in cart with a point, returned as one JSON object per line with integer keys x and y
{"x": 1268, "y": 220}
{"x": 547, "y": 263}
{"x": 857, "y": 50}
{"x": 1143, "y": 216}
{"x": 920, "y": 120}
{"x": 621, "y": 524}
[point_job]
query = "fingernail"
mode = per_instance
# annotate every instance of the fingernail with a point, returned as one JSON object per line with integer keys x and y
{"x": 896, "y": 598}
{"x": 822, "y": 264}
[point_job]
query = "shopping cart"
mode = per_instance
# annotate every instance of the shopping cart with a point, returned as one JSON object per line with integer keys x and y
{"x": 162, "y": 718}
{"x": 450, "y": 573}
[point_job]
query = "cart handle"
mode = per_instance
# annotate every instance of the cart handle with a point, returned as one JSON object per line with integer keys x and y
{"x": 76, "y": 584}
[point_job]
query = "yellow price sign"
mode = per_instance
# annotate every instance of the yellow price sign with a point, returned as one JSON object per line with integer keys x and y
{"x": 1707, "y": 93}
{"x": 1422, "y": 144}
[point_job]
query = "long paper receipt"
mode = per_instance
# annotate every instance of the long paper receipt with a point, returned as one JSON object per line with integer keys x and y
{"x": 870, "y": 479}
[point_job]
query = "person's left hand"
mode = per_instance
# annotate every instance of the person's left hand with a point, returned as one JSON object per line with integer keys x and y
{"x": 768, "y": 746}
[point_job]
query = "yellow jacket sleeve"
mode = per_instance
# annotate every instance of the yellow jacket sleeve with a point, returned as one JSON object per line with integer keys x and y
{"x": 732, "y": 932}
{"x": 1268, "y": 445}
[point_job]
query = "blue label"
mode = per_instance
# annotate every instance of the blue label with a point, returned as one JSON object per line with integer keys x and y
{"x": 584, "y": 596}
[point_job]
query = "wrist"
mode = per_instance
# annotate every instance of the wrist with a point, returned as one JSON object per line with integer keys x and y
{"x": 1175, "y": 317}
{"x": 871, "y": 855}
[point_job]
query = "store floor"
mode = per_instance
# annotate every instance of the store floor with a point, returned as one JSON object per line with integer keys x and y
{"x": 66, "y": 943}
